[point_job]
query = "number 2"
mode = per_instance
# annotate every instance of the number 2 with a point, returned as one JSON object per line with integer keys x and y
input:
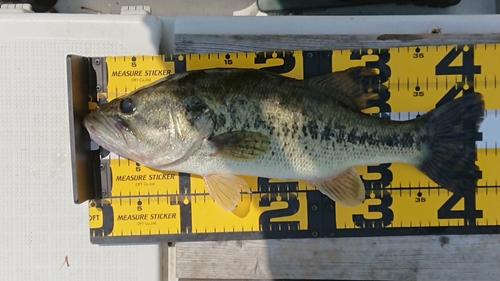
{"x": 274, "y": 190}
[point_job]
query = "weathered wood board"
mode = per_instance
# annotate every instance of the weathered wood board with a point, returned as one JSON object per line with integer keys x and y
{"x": 213, "y": 43}
{"x": 464, "y": 257}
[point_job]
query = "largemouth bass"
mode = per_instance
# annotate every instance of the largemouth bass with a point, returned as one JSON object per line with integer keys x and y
{"x": 222, "y": 123}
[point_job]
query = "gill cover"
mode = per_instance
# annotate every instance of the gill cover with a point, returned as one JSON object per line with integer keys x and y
{"x": 191, "y": 123}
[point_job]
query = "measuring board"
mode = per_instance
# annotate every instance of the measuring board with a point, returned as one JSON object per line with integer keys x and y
{"x": 135, "y": 204}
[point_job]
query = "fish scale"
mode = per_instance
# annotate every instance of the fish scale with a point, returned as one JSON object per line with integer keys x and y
{"x": 241, "y": 112}
{"x": 310, "y": 130}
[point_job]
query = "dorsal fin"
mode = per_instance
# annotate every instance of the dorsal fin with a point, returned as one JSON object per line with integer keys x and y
{"x": 352, "y": 86}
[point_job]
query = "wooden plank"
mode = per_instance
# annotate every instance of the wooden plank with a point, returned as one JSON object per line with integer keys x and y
{"x": 220, "y": 43}
{"x": 458, "y": 257}
{"x": 168, "y": 262}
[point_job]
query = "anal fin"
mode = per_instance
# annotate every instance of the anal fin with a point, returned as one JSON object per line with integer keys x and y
{"x": 346, "y": 188}
{"x": 224, "y": 189}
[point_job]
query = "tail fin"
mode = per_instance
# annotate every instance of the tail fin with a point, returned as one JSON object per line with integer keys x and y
{"x": 450, "y": 151}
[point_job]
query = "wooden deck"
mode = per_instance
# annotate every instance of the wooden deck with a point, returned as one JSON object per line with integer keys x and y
{"x": 463, "y": 257}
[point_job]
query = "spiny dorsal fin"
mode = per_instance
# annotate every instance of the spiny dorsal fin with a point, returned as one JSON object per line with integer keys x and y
{"x": 352, "y": 86}
{"x": 346, "y": 189}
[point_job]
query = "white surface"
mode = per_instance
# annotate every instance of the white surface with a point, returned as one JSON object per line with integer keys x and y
{"x": 227, "y": 7}
{"x": 16, "y": 8}
{"x": 40, "y": 223}
{"x": 159, "y": 7}
{"x": 489, "y": 128}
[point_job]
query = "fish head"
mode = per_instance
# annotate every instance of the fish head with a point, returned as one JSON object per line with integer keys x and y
{"x": 155, "y": 126}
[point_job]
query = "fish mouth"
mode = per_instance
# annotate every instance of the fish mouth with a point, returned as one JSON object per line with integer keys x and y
{"x": 109, "y": 132}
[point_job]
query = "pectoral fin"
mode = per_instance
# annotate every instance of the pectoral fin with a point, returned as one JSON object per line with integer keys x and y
{"x": 353, "y": 86}
{"x": 240, "y": 145}
{"x": 346, "y": 189}
{"x": 224, "y": 189}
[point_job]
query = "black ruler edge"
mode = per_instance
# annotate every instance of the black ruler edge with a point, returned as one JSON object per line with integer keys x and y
{"x": 269, "y": 235}
{"x": 85, "y": 162}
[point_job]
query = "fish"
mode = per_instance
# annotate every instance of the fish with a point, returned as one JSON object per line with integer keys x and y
{"x": 225, "y": 123}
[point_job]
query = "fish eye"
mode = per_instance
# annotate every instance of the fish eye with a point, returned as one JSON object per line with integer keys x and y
{"x": 127, "y": 105}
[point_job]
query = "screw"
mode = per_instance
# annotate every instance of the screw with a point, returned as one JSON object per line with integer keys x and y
{"x": 97, "y": 61}
{"x": 314, "y": 234}
{"x": 102, "y": 166}
{"x": 104, "y": 193}
{"x": 331, "y": 233}
{"x": 98, "y": 88}
{"x": 309, "y": 55}
{"x": 314, "y": 208}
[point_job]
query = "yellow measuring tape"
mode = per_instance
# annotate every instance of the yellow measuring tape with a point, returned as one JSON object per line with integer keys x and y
{"x": 141, "y": 204}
